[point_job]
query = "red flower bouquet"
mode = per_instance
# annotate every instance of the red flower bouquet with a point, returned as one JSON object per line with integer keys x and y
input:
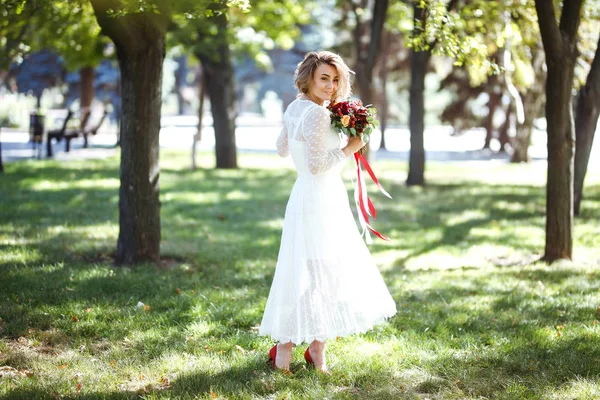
{"x": 353, "y": 119}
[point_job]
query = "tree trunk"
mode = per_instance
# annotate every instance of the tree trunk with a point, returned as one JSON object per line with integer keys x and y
{"x": 198, "y": 135}
{"x": 1, "y": 165}
{"x": 368, "y": 52}
{"x": 384, "y": 105}
{"x": 533, "y": 101}
{"x": 493, "y": 103}
{"x": 418, "y": 68}
{"x": 561, "y": 140}
{"x": 86, "y": 88}
{"x": 180, "y": 75}
{"x": 503, "y": 136}
{"x": 586, "y": 121}
{"x": 560, "y": 45}
{"x": 218, "y": 80}
{"x": 140, "y": 43}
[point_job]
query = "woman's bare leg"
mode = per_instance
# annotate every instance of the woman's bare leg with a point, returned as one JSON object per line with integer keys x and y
{"x": 284, "y": 355}
{"x": 317, "y": 352}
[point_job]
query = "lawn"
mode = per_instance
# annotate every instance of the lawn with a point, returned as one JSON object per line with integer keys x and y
{"x": 478, "y": 316}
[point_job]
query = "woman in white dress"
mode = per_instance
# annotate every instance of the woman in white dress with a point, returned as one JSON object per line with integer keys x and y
{"x": 326, "y": 283}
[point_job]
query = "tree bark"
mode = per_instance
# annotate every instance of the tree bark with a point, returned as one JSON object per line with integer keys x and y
{"x": 493, "y": 103}
{"x": 198, "y": 135}
{"x": 383, "y": 104}
{"x": 218, "y": 80}
{"x": 418, "y": 66}
{"x": 586, "y": 121}
{"x": 86, "y": 94}
{"x": 1, "y": 165}
{"x": 367, "y": 53}
{"x": 560, "y": 46}
{"x": 180, "y": 75}
{"x": 533, "y": 101}
{"x": 140, "y": 43}
{"x": 503, "y": 136}
{"x": 86, "y": 89}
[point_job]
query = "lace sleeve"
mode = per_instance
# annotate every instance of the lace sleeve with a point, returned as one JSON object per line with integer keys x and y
{"x": 283, "y": 148}
{"x": 316, "y": 129}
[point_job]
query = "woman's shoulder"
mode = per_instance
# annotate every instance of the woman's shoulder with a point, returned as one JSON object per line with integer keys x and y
{"x": 306, "y": 108}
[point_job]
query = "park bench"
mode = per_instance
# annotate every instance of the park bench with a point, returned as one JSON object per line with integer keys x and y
{"x": 57, "y": 134}
{"x": 84, "y": 130}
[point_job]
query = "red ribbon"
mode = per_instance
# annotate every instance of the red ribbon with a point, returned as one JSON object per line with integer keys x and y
{"x": 359, "y": 158}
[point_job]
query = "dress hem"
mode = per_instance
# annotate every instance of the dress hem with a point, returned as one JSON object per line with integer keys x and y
{"x": 331, "y": 335}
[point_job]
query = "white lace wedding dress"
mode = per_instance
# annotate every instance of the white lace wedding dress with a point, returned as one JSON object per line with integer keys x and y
{"x": 326, "y": 283}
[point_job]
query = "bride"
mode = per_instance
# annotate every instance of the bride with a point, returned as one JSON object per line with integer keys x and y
{"x": 326, "y": 283}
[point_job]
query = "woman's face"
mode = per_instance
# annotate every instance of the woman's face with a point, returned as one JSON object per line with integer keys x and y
{"x": 324, "y": 83}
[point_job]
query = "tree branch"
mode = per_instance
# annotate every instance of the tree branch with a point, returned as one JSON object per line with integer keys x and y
{"x": 593, "y": 78}
{"x": 379, "y": 14}
{"x": 551, "y": 37}
{"x": 570, "y": 18}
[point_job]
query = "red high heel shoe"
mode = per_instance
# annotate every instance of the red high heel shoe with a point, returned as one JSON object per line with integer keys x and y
{"x": 310, "y": 362}
{"x": 308, "y": 358}
{"x": 273, "y": 355}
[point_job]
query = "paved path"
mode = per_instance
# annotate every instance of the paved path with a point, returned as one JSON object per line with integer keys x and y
{"x": 440, "y": 145}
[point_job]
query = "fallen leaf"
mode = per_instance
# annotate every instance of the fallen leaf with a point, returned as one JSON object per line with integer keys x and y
{"x": 74, "y": 318}
{"x": 239, "y": 348}
{"x": 177, "y": 291}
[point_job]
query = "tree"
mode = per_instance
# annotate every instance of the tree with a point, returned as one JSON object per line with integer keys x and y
{"x": 139, "y": 39}
{"x": 586, "y": 120}
{"x": 138, "y": 30}
{"x": 217, "y": 71}
{"x": 230, "y": 34}
{"x": 420, "y": 55}
{"x": 560, "y": 46}
{"x": 67, "y": 28}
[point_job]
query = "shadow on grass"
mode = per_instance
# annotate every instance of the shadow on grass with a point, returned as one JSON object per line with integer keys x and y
{"x": 223, "y": 228}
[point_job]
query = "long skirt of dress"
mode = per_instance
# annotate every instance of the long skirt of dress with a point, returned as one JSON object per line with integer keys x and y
{"x": 326, "y": 283}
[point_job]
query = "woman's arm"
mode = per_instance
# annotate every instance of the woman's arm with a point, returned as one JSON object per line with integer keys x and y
{"x": 316, "y": 129}
{"x": 283, "y": 147}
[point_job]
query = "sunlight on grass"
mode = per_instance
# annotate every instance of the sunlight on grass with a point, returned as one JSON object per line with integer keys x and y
{"x": 54, "y": 186}
{"x": 478, "y": 315}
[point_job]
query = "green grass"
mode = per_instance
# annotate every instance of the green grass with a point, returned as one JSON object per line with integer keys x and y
{"x": 478, "y": 316}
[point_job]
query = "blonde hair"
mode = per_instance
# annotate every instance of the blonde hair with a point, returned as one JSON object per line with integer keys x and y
{"x": 303, "y": 77}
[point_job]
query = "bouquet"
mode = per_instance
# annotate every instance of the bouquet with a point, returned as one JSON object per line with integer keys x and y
{"x": 353, "y": 119}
